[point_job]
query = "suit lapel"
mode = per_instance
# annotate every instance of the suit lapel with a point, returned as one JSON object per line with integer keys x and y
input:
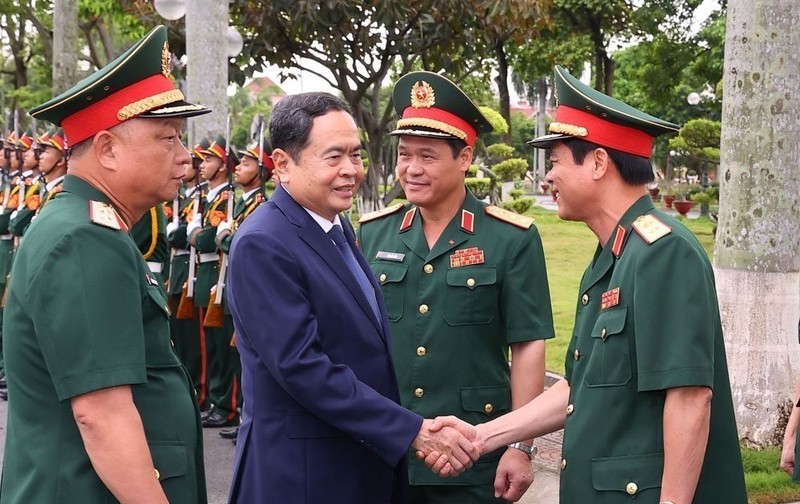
{"x": 312, "y": 234}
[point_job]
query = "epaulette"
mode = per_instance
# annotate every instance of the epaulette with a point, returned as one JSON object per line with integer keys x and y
{"x": 377, "y": 214}
{"x": 650, "y": 228}
{"x": 104, "y": 214}
{"x": 508, "y": 216}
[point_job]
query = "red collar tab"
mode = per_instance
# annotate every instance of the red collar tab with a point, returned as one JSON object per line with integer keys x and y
{"x": 619, "y": 240}
{"x": 467, "y": 221}
{"x": 408, "y": 219}
{"x": 606, "y": 133}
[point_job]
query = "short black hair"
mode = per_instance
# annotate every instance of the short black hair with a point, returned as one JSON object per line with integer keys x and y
{"x": 634, "y": 170}
{"x": 456, "y": 145}
{"x": 292, "y": 118}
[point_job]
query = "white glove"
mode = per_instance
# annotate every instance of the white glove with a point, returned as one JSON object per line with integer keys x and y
{"x": 14, "y": 214}
{"x": 223, "y": 227}
{"x": 171, "y": 228}
{"x": 195, "y": 224}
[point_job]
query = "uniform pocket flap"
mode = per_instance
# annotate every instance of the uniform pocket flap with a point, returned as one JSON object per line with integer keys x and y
{"x": 158, "y": 298}
{"x": 471, "y": 277}
{"x": 388, "y": 272}
{"x": 308, "y": 426}
{"x": 486, "y": 399}
{"x": 169, "y": 459}
{"x": 610, "y": 322}
{"x": 630, "y": 474}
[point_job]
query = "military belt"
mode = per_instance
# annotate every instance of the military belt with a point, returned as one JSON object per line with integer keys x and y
{"x": 208, "y": 257}
{"x": 8, "y": 236}
{"x": 155, "y": 267}
{"x": 181, "y": 252}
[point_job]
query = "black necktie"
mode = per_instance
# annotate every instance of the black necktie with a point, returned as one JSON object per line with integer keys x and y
{"x": 337, "y": 235}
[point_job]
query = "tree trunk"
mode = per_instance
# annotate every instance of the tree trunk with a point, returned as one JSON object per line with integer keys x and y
{"x": 65, "y": 40}
{"x": 207, "y": 67}
{"x": 756, "y": 257}
{"x": 502, "y": 88}
{"x": 541, "y": 129}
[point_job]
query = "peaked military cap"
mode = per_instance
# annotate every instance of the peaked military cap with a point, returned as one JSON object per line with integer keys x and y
{"x": 584, "y": 112}
{"x": 218, "y": 148}
{"x": 265, "y": 158}
{"x": 201, "y": 146}
{"x": 136, "y": 84}
{"x": 53, "y": 138}
{"x": 430, "y": 105}
{"x": 25, "y": 140}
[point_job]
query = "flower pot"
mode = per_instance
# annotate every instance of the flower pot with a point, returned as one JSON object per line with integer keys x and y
{"x": 545, "y": 186}
{"x": 683, "y": 207}
{"x": 668, "y": 200}
{"x": 654, "y": 193}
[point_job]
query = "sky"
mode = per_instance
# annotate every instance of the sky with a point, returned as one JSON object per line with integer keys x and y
{"x": 308, "y": 81}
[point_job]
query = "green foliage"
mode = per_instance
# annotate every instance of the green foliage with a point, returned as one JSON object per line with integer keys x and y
{"x": 515, "y": 194}
{"x": 480, "y": 187}
{"x": 495, "y": 119}
{"x": 519, "y": 206}
{"x": 510, "y": 169}
{"x": 473, "y": 170}
{"x": 698, "y": 144}
{"x": 706, "y": 197}
{"x": 766, "y": 482}
{"x": 499, "y": 152}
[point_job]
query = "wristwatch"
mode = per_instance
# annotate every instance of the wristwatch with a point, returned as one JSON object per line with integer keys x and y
{"x": 530, "y": 450}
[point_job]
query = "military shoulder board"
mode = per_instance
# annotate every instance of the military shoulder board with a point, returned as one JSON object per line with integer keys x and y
{"x": 105, "y": 215}
{"x": 650, "y": 228}
{"x": 380, "y": 213}
{"x": 508, "y": 216}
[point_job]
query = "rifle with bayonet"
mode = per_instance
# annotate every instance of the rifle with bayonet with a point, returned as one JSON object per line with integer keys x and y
{"x": 186, "y": 305}
{"x": 215, "y": 312}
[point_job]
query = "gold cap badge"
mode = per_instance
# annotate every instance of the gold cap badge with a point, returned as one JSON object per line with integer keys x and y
{"x": 422, "y": 95}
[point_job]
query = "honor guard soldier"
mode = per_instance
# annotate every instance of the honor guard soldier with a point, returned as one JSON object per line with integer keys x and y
{"x": 254, "y": 169}
{"x": 6, "y": 238}
{"x": 186, "y": 334}
{"x": 101, "y": 409}
{"x": 53, "y": 163}
{"x": 150, "y": 235}
{"x": 21, "y": 217}
{"x": 216, "y": 169}
{"x": 463, "y": 282}
{"x": 646, "y": 403}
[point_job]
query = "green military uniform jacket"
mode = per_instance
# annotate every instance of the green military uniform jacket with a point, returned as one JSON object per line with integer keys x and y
{"x": 6, "y": 238}
{"x": 84, "y": 313}
{"x": 241, "y": 210}
{"x": 647, "y": 321}
{"x": 179, "y": 268}
{"x": 20, "y": 221}
{"x": 454, "y": 311}
{"x": 214, "y": 212}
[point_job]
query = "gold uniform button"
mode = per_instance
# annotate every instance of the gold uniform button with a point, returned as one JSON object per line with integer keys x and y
{"x": 419, "y": 392}
{"x": 423, "y": 309}
{"x": 570, "y": 409}
{"x": 563, "y": 464}
{"x": 577, "y": 354}
{"x": 158, "y": 474}
{"x": 421, "y": 351}
{"x": 631, "y": 488}
{"x": 585, "y": 299}
{"x": 428, "y": 268}
{"x": 488, "y": 408}
{"x": 382, "y": 278}
{"x": 471, "y": 282}
{"x": 603, "y": 333}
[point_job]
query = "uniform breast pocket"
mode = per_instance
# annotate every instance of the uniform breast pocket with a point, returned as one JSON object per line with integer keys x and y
{"x": 610, "y": 362}
{"x": 158, "y": 345}
{"x": 471, "y": 296}
{"x": 391, "y": 278}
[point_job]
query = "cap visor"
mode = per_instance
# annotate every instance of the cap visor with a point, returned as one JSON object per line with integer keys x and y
{"x": 421, "y": 133}
{"x": 176, "y": 109}
{"x": 547, "y": 141}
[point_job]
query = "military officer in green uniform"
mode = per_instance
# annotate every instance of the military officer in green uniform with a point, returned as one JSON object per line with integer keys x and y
{"x": 202, "y": 233}
{"x": 100, "y": 408}
{"x": 646, "y": 404}
{"x": 189, "y": 341}
{"x": 463, "y": 282}
{"x": 254, "y": 168}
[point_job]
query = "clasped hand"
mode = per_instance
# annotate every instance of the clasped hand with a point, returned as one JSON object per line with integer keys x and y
{"x": 448, "y": 445}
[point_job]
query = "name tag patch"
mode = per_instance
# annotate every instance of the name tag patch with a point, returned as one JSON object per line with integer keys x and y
{"x": 390, "y": 256}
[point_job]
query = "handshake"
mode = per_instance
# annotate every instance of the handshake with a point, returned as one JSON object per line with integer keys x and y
{"x": 448, "y": 445}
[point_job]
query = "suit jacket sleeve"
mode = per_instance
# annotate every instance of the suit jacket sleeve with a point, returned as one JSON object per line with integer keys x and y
{"x": 272, "y": 302}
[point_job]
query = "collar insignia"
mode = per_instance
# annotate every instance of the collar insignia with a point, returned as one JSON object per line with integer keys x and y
{"x": 467, "y": 221}
{"x": 408, "y": 219}
{"x": 619, "y": 240}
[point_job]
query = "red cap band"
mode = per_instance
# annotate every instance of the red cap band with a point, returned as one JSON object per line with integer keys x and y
{"x": 103, "y": 114}
{"x": 441, "y": 120}
{"x": 606, "y": 133}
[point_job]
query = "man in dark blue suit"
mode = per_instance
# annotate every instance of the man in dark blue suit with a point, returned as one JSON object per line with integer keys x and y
{"x": 322, "y": 421}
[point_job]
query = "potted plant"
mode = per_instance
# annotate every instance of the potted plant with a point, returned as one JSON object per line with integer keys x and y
{"x": 704, "y": 199}
{"x": 672, "y": 193}
{"x": 653, "y": 189}
{"x": 545, "y": 186}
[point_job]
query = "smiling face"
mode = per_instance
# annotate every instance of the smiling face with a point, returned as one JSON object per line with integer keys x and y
{"x": 429, "y": 174}
{"x": 574, "y": 181}
{"x": 328, "y": 169}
